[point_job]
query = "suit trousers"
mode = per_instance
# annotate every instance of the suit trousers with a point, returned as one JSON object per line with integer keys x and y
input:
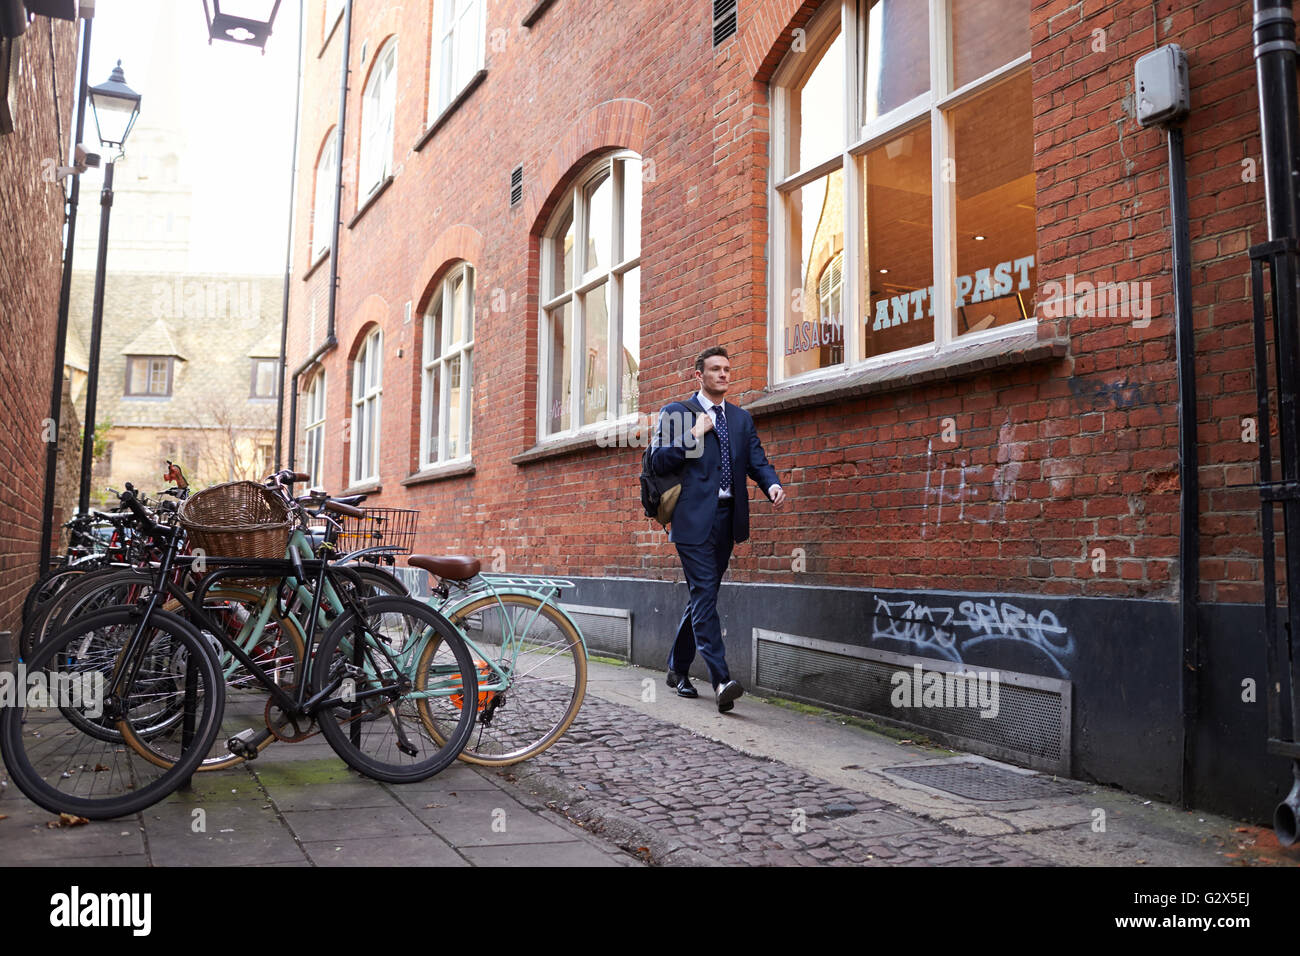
{"x": 700, "y": 627}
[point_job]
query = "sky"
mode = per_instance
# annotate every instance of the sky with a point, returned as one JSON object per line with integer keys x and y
{"x": 240, "y": 126}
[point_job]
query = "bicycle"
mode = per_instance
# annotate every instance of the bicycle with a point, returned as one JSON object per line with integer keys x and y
{"x": 162, "y": 695}
{"x": 530, "y": 656}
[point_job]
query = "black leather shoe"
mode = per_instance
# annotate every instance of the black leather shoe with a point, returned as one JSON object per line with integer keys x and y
{"x": 727, "y": 694}
{"x": 681, "y": 683}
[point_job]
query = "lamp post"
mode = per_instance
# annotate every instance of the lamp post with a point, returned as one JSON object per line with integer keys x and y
{"x": 115, "y": 107}
{"x": 243, "y": 21}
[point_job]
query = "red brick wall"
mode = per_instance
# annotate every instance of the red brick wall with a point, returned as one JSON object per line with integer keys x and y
{"x": 31, "y": 208}
{"x": 1053, "y": 460}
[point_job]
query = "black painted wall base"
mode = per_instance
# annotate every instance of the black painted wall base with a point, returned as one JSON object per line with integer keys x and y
{"x": 1120, "y": 655}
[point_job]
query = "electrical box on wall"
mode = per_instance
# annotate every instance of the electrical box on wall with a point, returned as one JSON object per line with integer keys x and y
{"x": 1160, "y": 81}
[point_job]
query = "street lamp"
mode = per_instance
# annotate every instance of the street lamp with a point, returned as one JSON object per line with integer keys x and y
{"x": 243, "y": 21}
{"x": 115, "y": 106}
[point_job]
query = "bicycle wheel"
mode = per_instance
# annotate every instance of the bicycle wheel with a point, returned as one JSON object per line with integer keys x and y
{"x": 369, "y": 663}
{"x": 541, "y": 651}
{"x": 276, "y": 646}
{"x": 176, "y": 693}
{"x": 98, "y": 590}
{"x": 52, "y": 583}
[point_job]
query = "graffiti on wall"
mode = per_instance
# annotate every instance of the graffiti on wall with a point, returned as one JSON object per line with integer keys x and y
{"x": 949, "y": 632}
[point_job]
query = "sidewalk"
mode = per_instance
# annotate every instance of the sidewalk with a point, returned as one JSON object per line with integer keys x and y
{"x": 645, "y": 776}
{"x": 679, "y": 783}
{"x": 300, "y": 805}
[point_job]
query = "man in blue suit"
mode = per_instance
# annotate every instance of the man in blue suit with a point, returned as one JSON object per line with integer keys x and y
{"x": 712, "y": 512}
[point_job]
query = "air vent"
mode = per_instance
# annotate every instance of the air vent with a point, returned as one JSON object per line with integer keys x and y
{"x": 724, "y": 20}
{"x": 517, "y": 185}
{"x": 606, "y": 631}
{"x": 1031, "y": 726}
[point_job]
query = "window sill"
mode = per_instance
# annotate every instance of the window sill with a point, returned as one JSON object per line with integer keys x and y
{"x": 315, "y": 265}
{"x": 365, "y": 488}
{"x": 455, "y": 469}
{"x": 370, "y": 200}
{"x": 570, "y": 445}
{"x": 454, "y": 105}
{"x": 535, "y": 14}
{"x": 1022, "y": 349}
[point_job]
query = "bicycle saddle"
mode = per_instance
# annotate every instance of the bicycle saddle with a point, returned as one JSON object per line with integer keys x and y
{"x": 453, "y": 567}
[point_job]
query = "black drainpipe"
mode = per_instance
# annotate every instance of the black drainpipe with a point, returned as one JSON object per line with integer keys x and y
{"x": 1279, "y": 125}
{"x": 331, "y": 342}
{"x": 65, "y": 295}
{"x": 1189, "y": 533}
{"x": 288, "y": 242}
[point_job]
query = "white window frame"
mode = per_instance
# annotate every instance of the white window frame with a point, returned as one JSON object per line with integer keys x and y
{"x": 935, "y": 105}
{"x": 378, "y": 119}
{"x": 314, "y": 430}
{"x": 322, "y": 231}
{"x": 430, "y": 456}
{"x": 613, "y": 274}
{"x": 367, "y": 394}
{"x": 450, "y": 70}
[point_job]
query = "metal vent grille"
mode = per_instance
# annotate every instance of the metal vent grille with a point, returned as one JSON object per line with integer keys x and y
{"x": 517, "y": 185}
{"x": 1031, "y": 726}
{"x": 607, "y": 631}
{"x": 724, "y": 20}
{"x": 979, "y": 781}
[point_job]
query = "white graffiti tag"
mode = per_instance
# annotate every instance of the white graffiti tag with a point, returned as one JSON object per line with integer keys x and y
{"x": 948, "y": 633}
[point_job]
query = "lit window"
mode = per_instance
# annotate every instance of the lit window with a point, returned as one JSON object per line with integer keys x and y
{"x": 149, "y": 375}
{"x": 457, "y": 50}
{"x": 447, "y": 385}
{"x": 322, "y": 220}
{"x": 931, "y": 181}
{"x": 314, "y": 432}
{"x": 378, "y": 108}
{"x": 591, "y": 287}
{"x": 367, "y": 376}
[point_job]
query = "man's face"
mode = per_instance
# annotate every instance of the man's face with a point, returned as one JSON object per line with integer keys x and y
{"x": 716, "y": 375}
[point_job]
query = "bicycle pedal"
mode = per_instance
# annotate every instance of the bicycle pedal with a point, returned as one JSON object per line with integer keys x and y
{"x": 242, "y": 744}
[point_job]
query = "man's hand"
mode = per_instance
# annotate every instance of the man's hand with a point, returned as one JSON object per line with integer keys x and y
{"x": 703, "y": 425}
{"x": 777, "y": 494}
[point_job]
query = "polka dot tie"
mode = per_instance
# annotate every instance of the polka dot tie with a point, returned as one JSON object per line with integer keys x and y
{"x": 720, "y": 422}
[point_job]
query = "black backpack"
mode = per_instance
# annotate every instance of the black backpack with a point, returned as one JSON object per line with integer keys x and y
{"x": 659, "y": 493}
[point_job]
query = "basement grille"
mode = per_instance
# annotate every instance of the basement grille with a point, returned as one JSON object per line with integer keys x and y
{"x": 1031, "y": 727}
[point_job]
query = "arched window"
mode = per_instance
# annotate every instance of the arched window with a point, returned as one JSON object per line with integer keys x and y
{"x": 367, "y": 388}
{"x": 378, "y": 111}
{"x": 322, "y": 226}
{"x": 447, "y": 381}
{"x": 591, "y": 294}
{"x": 313, "y": 458}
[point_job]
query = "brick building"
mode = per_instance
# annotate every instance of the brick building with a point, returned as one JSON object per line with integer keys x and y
{"x": 939, "y": 254}
{"x": 37, "y": 98}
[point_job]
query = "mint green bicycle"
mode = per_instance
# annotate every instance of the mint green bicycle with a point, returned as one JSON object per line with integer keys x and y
{"x": 530, "y": 656}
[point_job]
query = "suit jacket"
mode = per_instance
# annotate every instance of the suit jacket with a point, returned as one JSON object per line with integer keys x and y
{"x": 700, "y": 464}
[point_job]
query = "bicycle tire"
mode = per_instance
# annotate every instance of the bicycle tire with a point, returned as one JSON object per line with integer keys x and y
{"x": 66, "y": 771}
{"x": 539, "y": 704}
{"x": 52, "y": 583}
{"x": 279, "y": 648}
{"x": 401, "y": 627}
{"x": 99, "y": 590}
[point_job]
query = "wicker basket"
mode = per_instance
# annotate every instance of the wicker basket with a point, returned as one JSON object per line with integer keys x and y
{"x": 238, "y": 519}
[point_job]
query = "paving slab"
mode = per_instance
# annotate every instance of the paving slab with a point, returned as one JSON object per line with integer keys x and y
{"x": 426, "y": 850}
{"x": 575, "y": 853}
